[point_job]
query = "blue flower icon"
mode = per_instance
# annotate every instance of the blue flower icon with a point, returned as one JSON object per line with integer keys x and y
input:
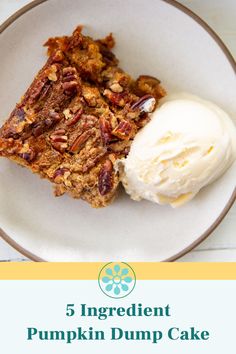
{"x": 117, "y": 280}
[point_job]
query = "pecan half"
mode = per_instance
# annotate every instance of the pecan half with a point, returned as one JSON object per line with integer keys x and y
{"x": 75, "y": 118}
{"x": 70, "y": 83}
{"x": 146, "y": 103}
{"x": 59, "y": 146}
{"x": 105, "y": 178}
{"x": 124, "y": 130}
{"x": 58, "y": 138}
{"x": 80, "y": 141}
{"x": 59, "y": 132}
{"x": 105, "y": 128}
{"x": 51, "y": 120}
{"x": 40, "y": 127}
{"x": 36, "y": 89}
{"x": 69, "y": 87}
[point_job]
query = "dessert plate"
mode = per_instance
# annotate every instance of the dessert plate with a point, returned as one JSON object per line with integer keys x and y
{"x": 162, "y": 39}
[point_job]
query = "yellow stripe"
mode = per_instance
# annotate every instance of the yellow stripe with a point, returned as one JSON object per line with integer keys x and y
{"x": 144, "y": 271}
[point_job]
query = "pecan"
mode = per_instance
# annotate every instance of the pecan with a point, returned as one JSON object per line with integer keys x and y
{"x": 59, "y": 146}
{"x": 105, "y": 128}
{"x": 118, "y": 99}
{"x": 68, "y": 78}
{"x": 35, "y": 91}
{"x": 75, "y": 118}
{"x": 80, "y": 141}
{"x": 105, "y": 178}
{"x": 55, "y": 116}
{"x": 70, "y": 81}
{"x": 69, "y": 74}
{"x": 124, "y": 130}
{"x": 58, "y": 138}
{"x": 28, "y": 156}
{"x": 69, "y": 70}
{"x": 40, "y": 127}
{"x": 146, "y": 103}
{"x": 70, "y": 87}
{"x": 59, "y": 132}
{"x": 59, "y": 174}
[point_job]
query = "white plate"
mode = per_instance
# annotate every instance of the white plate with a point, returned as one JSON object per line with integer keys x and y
{"x": 153, "y": 37}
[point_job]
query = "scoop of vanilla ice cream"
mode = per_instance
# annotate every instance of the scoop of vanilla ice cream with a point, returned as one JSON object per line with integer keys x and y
{"x": 188, "y": 144}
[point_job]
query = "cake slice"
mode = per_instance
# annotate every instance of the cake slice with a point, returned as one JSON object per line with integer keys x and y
{"x": 78, "y": 117}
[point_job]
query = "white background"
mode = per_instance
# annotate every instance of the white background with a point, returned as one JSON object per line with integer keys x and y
{"x": 220, "y": 14}
{"x": 207, "y": 305}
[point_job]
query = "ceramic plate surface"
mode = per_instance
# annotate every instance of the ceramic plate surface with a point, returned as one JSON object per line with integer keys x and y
{"x": 155, "y": 38}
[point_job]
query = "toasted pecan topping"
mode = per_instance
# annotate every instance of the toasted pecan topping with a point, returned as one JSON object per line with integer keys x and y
{"x": 78, "y": 117}
{"x": 124, "y": 130}
{"x": 146, "y": 103}
{"x": 74, "y": 119}
{"x": 105, "y": 178}
{"x": 80, "y": 141}
{"x": 105, "y": 128}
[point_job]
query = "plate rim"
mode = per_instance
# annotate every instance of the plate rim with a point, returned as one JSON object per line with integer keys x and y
{"x": 232, "y": 62}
